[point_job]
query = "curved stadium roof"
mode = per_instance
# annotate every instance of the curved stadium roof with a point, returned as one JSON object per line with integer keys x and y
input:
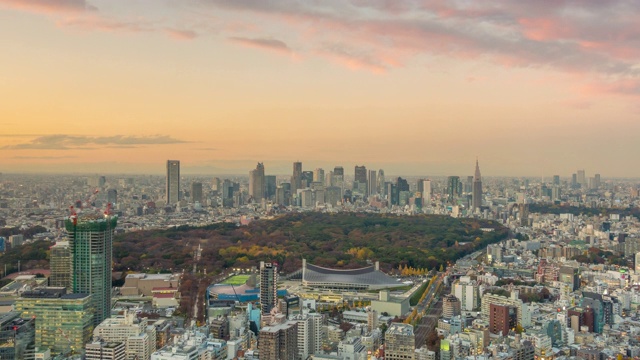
{"x": 363, "y": 278}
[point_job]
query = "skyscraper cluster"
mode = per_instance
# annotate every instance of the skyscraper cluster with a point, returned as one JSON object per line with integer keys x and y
{"x": 579, "y": 180}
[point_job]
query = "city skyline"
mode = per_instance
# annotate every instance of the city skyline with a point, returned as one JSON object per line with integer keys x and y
{"x": 283, "y": 169}
{"x": 529, "y": 88}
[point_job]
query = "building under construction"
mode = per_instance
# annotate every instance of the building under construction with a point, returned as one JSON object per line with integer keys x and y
{"x": 90, "y": 245}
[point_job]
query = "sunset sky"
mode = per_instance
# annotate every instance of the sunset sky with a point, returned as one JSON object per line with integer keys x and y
{"x": 417, "y": 87}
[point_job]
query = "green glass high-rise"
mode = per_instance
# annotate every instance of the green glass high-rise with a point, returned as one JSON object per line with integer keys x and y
{"x": 91, "y": 246}
{"x": 63, "y": 322}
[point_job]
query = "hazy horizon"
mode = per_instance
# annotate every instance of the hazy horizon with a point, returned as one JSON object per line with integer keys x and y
{"x": 413, "y": 87}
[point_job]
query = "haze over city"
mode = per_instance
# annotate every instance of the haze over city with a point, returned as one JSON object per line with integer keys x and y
{"x": 319, "y": 180}
{"x": 414, "y": 87}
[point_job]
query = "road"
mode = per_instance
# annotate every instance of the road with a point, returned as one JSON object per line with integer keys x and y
{"x": 430, "y": 310}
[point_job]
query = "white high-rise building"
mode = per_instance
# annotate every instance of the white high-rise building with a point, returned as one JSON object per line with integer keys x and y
{"x": 466, "y": 291}
{"x": 173, "y": 182}
{"x": 139, "y": 337}
{"x": 305, "y": 332}
{"x": 316, "y": 333}
{"x": 426, "y": 192}
{"x": 309, "y": 334}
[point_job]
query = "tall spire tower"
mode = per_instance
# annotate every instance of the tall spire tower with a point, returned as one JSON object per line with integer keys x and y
{"x": 476, "y": 199}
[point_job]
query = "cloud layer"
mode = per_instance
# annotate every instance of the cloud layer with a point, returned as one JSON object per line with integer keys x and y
{"x": 595, "y": 42}
{"x": 68, "y": 142}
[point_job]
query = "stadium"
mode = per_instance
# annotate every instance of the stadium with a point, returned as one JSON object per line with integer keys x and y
{"x": 242, "y": 288}
{"x": 367, "y": 278}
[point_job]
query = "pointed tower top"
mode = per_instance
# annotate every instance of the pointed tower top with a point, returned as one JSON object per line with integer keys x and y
{"x": 477, "y": 177}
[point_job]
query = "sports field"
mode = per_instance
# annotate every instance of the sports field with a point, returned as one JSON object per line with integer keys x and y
{"x": 236, "y": 280}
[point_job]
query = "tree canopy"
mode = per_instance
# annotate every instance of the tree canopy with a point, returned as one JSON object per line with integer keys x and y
{"x": 343, "y": 240}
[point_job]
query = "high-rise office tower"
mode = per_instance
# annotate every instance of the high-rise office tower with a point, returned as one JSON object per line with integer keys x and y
{"x": 420, "y": 185}
{"x": 307, "y": 179}
{"x": 328, "y": 179}
{"x": 269, "y": 186}
{"x": 403, "y": 184}
{"x": 286, "y": 188}
{"x": 477, "y": 189}
{"x": 63, "y": 321}
{"x": 400, "y": 342}
{"x": 574, "y": 180}
{"x": 453, "y": 188}
{"x": 392, "y": 194}
{"x": 373, "y": 182}
{"x": 318, "y": 175}
{"x": 60, "y": 265}
{"x": 257, "y": 183}
{"x": 173, "y": 181}
{"x": 196, "y": 192}
{"x": 424, "y": 187}
{"x": 333, "y": 195}
{"x": 279, "y": 197}
{"x": 91, "y": 246}
{"x": 268, "y": 286}
{"x": 381, "y": 187}
{"x": 597, "y": 180}
{"x": 296, "y": 179}
{"x": 360, "y": 178}
{"x": 216, "y": 184}
{"x": 227, "y": 193}
{"x": 581, "y": 178}
{"x": 338, "y": 177}
{"x": 556, "y": 179}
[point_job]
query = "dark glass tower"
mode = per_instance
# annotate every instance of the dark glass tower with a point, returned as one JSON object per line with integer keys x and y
{"x": 477, "y": 189}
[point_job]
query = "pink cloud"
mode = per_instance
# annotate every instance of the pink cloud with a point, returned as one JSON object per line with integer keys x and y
{"x": 48, "y": 6}
{"x": 542, "y": 29}
{"x": 379, "y": 35}
{"x": 344, "y": 56}
{"x": 629, "y": 87}
{"x": 181, "y": 34}
{"x": 96, "y": 22}
{"x": 263, "y": 43}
